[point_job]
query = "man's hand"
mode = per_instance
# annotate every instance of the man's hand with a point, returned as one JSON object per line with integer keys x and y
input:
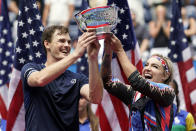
{"x": 84, "y": 41}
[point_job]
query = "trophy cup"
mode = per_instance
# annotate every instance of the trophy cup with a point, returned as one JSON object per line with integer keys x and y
{"x": 103, "y": 19}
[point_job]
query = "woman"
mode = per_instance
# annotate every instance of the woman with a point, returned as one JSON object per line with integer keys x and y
{"x": 88, "y": 120}
{"x": 153, "y": 111}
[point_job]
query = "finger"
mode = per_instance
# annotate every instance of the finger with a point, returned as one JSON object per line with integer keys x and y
{"x": 91, "y": 30}
{"x": 89, "y": 42}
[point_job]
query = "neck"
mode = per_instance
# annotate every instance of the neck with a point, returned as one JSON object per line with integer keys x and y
{"x": 83, "y": 116}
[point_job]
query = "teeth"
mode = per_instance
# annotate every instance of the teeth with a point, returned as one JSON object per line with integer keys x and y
{"x": 147, "y": 75}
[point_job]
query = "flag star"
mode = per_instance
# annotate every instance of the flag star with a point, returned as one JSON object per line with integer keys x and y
{"x": 177, "y": 1}
{"x": 31, "y": 32}
{"x": 124, "y": 36}
{"x": 41, "y": 28}
{"x": 10, "y": 74}
{"x": 79, "y": 60}
{"x": 26, "y": 8}
{"x": 122, "y": 11}
{"x": 171, "y": 29}
{"x": 173, "y": 42}
{"x": 21, "y": 23}
{"x": 19, "y": 12}
{"x": 1, "y": 82}
{"x": 169, "y": 50}
{"x": 2, "y": 72}
{"x": 82, "y": 68}
{"x": 184, "y": 40}
{"x": 24, "y": 35}
{"x": 1, "y": 50}
{"x": 7, "y": 53}
{"x": 35, "y": 43}
{"x": 35, "y": 5}
{"x": 1, "y": 18}
{"x": 127, "y": 27}
{"x": 2, "y": 40}
{"x": 4, "y": 62}
{"x": 30, "y": 57}
{"x": 29, "y": 20}
{"x": 113, "y": 4}
{"x": 86, "y": 55}
{"x": 18, "y": 50}
{"x": 10, "y": 44}
{"x": 180, "y": 20}
{"x": 27, "y": 46}
{"x": 38, "y": 54}
{"x": 22, "y": 60}
{"x": 5, "y": 31}
{"x": 119, "y": 20}
{"x": 115, "y": 31}
{"x": 175, "y": 56}
{"x": 171, "y": 16}
{"x": 38, "y": 17}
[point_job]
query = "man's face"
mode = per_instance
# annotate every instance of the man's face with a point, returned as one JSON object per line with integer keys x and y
{"x": 60, "y": 45}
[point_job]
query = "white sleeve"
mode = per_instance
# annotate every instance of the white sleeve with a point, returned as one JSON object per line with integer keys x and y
{"x": 71, "y": 2}
{"x": 47, "y": 2}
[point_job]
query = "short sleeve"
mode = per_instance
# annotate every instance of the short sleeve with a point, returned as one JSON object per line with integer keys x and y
{"x": 27, "y": 69}
{"x": 47, "y": 2}
{"x": 83, "y": 80}
{"x": 190, "y": 123}
{"x": 71, "y": 2}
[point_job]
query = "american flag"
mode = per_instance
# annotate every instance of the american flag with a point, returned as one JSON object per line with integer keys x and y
{"x": 28, "y": 49}
{"x": 183, "y": 65}
{"x": 112, "y": 113}
{"x": 6, "y": 52}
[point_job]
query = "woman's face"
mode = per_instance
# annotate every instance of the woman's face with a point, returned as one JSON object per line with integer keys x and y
{"x": 153, "y": 71}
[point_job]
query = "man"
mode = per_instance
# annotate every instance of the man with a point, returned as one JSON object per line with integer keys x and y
{"x": 52, "y": 93}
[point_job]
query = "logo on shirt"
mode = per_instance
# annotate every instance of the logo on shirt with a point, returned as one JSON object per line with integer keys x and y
{"x": 73, "y": 81}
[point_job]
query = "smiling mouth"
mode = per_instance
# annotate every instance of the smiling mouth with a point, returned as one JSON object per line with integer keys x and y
{"x": 148, "y": 76}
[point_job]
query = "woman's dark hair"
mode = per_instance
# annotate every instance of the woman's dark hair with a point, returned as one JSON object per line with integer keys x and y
{"x": 175, "y": 87}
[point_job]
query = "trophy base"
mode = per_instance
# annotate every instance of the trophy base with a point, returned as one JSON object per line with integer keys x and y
{"x": 101, "y": 32}
{"x": 101, "y": 36}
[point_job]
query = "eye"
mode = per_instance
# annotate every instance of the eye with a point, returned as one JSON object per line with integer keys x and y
{"x": 155, "y": 66}
{"x": 146, "y": 64}
{"x": 69, "y": 41}
{"x": 62, "y": 40}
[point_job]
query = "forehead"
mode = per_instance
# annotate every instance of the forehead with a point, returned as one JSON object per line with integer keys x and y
{"x": 154, "y": 60}
{"x": 58, "y": 34}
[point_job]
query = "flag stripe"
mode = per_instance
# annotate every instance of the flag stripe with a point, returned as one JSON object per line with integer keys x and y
{"x": 103, "y": 121}
{"x": 15, "y": 106}
{"x": 3, "y": 109}
{"x": 181, "y": 55}
{"x": 120, "y": 111}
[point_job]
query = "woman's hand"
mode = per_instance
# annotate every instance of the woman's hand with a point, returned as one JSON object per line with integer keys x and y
{"x": 116, "y": 44}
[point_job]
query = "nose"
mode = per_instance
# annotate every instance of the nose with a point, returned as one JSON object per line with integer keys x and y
{"x": 66, "y": 43}
{"x": 147, "y": 68}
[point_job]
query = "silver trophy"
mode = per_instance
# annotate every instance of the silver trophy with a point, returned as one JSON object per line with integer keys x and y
{"x": 103, "y": 19}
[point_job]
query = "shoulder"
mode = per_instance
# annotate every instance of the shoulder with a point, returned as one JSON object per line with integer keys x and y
{"x": 31, "y": 66}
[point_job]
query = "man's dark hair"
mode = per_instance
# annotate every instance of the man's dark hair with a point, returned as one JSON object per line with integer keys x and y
{"x": 49, "y": 31}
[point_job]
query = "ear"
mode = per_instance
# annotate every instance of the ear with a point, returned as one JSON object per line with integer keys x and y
{"x": 166, "y": 75}
{"x": 46, "y": 44}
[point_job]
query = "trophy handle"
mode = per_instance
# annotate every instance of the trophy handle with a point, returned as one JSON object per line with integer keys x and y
{"x": 78, "y": 22}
